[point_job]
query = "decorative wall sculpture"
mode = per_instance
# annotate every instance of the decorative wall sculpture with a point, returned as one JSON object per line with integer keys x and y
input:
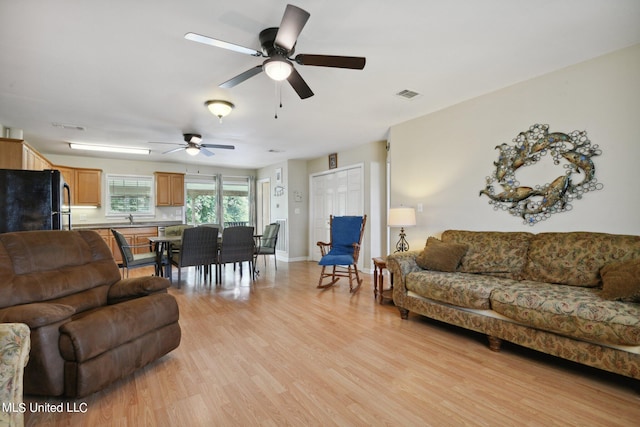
{"x": 534, "y": 204}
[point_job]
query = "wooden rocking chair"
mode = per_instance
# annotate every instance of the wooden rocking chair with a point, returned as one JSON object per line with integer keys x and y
{"x": 344, "y": 249}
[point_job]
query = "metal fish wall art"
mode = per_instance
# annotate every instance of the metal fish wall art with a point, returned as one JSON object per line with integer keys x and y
{"x": 533, "y": 204}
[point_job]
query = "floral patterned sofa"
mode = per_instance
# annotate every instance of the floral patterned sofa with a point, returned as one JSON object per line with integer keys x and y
{"x": 574, "y": 295}
{"x": 14, "y": 355}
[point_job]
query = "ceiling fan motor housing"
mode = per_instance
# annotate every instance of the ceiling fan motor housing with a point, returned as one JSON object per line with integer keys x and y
{"x": 267, "y": 39}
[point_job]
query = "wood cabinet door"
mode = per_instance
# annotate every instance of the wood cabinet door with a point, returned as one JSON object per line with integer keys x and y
{"x": 163, "y": 189}
{"x": 88, "y": 185}
{"x": 141, "y": 239}
{"x": 177, "y": 190}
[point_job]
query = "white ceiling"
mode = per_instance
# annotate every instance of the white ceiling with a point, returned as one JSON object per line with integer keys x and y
{"x": 123, "y": 70}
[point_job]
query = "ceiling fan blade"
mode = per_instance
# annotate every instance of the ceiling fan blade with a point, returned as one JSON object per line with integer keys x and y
{"x": 352, "y": 62}
{"x": 242, "y": 77}
{"x": 227, "y": 147}
{"x": 219, "y": 43}
{"x": 205, "y": 151}
{"x": 299, "y": 85}
{"x": 174, "y": 150}
{"x": 293, "y": 21}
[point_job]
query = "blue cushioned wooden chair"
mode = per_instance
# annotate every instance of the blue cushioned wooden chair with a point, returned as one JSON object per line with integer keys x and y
{"x": 344, "y": 249}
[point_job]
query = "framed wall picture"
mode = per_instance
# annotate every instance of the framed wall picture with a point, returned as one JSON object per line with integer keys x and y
{"x": 333, "y": 161}
{"x": 279, "y": 176}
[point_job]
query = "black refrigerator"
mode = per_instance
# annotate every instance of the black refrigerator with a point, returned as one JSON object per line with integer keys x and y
{"x": 33, "y": 200}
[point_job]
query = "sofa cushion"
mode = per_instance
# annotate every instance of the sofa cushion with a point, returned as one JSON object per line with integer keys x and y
{"x": 459, "y": 289}
{"x": 501, "y": 254}
{"x": 440, "y": 256}
{"x": 576, "y": 258}
{"x": 621, "y": 280}
{"x": 577, "y": 312}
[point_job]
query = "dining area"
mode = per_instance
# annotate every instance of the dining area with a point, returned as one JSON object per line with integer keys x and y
{"x": 210, "y": 248}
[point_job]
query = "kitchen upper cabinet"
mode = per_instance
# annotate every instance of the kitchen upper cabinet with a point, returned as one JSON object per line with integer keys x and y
{"x": 169, "y": 189}
{"x": 85, "y": 184}
{"x": 17, "y": 154}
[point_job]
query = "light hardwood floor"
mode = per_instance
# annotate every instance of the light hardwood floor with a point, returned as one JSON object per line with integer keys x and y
{"x": 279, "y": 352}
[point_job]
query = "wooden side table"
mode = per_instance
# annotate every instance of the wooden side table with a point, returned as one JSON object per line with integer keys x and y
{"x": 379, "y": 292}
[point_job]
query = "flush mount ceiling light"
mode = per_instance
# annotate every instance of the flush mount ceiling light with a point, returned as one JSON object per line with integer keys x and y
{"x": 219, "y": 108}
{"x": 277, "y": 68}
{"x": 108, "y": 148}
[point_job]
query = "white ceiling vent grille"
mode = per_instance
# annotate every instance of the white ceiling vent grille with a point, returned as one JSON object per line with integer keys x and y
{"x": 407, "y": 94}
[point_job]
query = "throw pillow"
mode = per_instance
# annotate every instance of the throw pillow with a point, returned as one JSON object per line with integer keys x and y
{"x": 621, "y": 280}
{"x": 440, "y": 256}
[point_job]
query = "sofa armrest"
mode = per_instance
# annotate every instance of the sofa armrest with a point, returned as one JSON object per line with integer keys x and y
{"x": 400, "y": 264}
{"x": 36, "y": 315}
{"x": 135, "y": 287}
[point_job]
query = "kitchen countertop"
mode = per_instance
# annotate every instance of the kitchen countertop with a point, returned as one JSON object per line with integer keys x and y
{"x": 125, "y": 225}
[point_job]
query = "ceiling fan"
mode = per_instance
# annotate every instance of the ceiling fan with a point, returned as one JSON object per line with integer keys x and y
{"x": 193, "y": 145}
{"x": 278, "y": 47}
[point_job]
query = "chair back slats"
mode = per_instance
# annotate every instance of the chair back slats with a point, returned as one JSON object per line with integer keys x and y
{"x": 238, "y": 244}
{"x": 199, "y": 246}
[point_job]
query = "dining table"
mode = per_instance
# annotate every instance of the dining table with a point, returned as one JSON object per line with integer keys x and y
{"x": 162, "y": 245}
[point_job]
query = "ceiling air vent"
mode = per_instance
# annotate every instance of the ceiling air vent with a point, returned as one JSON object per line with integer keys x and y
{"x": 68, "y": 126}
{"x": 407, "y": 94}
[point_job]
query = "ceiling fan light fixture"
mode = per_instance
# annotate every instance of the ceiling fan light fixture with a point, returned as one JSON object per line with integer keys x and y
{"x": 277, "y": 68}
{"x": 192, "y": 150}
{"x": 219, "y": 108}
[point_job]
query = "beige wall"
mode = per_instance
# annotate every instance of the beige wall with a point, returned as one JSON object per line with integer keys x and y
{"x": 441, "y": 160}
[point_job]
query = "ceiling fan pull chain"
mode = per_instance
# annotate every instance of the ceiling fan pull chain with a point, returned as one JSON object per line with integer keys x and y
{"x": 278, "y": 87}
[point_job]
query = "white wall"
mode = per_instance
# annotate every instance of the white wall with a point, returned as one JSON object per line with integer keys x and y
{"x": 441, "y": 159}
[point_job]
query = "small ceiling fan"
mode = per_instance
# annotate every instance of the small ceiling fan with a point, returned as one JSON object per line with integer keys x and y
{"x": 278, "y": 47}
{"x": 193, "y": 145}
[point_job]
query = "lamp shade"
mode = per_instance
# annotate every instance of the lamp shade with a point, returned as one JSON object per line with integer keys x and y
{"x": 402, "y": 217}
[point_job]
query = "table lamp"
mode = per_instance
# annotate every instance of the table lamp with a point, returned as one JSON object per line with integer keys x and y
{"x": 402, "y": 217}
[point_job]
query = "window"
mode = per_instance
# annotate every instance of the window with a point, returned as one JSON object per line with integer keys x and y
{"x": 130, "y": 195}
{"x": 235, "y": 199}
{"x": 201, "y": 202}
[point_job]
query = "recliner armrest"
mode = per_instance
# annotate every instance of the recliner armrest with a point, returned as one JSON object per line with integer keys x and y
{"x": 135, "y": 287}
{"x": 36, "y": 315}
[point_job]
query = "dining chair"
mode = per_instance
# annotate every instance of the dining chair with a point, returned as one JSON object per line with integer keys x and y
{"x": 238, "y": 246}
{"x": 343, "y": 250}
{"x": 176, "y": 230}
{"x": 199, "y": 249}
{"x": 268, "y": 242}
{"x": 130, "y": 259}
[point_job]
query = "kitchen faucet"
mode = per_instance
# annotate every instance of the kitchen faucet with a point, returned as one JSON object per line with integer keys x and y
{"x": 130, "y": 218}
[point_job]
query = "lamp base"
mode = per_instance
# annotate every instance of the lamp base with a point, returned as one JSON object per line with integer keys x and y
{"x": 402, "y": 245}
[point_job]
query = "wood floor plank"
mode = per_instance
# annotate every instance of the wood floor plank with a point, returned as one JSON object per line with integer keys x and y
{"x": 280, "y": 352}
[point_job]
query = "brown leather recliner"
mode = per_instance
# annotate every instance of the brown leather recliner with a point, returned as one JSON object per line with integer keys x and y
{"x": 89, "y": 327}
